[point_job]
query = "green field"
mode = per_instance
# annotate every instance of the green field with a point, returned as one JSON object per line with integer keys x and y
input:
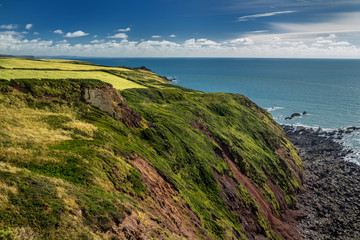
{"x": 117, "y": 82}
{"x": 52, "y": 64}
{"x": 121, "y": 78}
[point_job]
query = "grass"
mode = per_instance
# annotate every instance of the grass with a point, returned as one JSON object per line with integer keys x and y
{"x": 65, "y": 166}
{"x": 117, "y": 82}
{"x": 121, "y": 78}
{"x": 12, "y": 63}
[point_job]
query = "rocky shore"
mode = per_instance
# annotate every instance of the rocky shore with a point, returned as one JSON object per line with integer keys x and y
{"x": 329, "y": 208}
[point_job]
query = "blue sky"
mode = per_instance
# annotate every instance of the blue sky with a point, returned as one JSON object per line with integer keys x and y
{"x": 187, "y": 28}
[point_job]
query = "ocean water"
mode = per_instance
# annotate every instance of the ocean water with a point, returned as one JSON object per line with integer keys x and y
{"x": 328, "y": 90}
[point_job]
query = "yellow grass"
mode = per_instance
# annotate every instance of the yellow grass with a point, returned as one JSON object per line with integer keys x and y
{"x": 7, "y": 167}
{"x": 28, "y": 133}
{"x": 4, "y": 190}
{"x": 25, "y": 125}
{"x": 83, "y": 127}
{"x": 117, "y": 82}
{"x": 52, "y": 64}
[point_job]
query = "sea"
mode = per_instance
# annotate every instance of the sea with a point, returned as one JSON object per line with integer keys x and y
{"x": 327, "y": 89}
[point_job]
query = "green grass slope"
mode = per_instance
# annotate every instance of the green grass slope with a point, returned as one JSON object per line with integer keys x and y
{"x": 194, "y": 166}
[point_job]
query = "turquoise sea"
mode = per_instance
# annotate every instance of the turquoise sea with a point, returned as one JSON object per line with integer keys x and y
{"x": 329, "y": 90}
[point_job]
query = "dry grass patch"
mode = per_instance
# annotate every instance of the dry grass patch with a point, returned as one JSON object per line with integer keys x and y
{"x": 84, "y": 128}
{"x": 5, "y": 189}
{"x": 26, "y": 133}
{"x": 25, "y": 125}
{"x": 26, "y": 233}
{"x": 7, "y": 167}
{"x": 26, "y": 156}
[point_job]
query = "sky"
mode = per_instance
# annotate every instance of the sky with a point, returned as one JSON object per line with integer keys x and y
{"x": 187, "y": 28}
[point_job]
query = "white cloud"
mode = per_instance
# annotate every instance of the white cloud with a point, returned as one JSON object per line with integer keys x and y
{"x": 36, "y": 33}
{"x": 10, "y": 33}
{"x": 259, "y": 31}
{"x": 342, "y": 43}
{"x": 58, "y": 31}
{"x": 124, "y": 29}
{"x": 97, "y": 41}
{"x": 172, "y": 36}
{"x": 204, "y": 41}
{"x": 78, "y": 33}
{"x": 156, "y": 36}
{"x": 29, "y": 26}
{"x": 241, "y": 41}
{"x": 119, "y": 35}
{"x": 246, "y": 18}
{"x": 256, "y": 45}
{"x": 9, "y": 26}
{"x": 338, "y": 23}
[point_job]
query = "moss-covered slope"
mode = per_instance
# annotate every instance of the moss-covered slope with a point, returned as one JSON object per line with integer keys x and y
{"x": 80, "y": 160}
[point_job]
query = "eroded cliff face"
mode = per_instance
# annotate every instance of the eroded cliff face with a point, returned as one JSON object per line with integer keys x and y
{"x": 109, "y": 100}
{"x": 152, "y": 163}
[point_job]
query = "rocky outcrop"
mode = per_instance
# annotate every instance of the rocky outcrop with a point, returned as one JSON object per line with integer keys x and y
{"x": 295, "y": 115}
{"x": 109, "y": 100}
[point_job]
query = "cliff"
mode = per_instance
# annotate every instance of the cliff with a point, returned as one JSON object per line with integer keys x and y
{"x": 148, "y": 160}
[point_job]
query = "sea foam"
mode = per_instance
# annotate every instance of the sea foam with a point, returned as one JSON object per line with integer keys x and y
{"x": 274, "y": 108}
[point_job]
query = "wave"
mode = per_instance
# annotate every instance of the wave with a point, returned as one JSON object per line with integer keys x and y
{"x": 308, "y": 127}
{"x": 273, "y": 108}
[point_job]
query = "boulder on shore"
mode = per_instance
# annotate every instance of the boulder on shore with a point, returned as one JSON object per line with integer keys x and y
{"x": 294, "y": 115}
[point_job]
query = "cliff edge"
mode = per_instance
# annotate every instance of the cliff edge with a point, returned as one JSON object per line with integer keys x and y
{"x": 82, "y": 160}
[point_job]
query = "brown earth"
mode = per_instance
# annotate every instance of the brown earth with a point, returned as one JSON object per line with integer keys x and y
{"x": 170, "y": 215}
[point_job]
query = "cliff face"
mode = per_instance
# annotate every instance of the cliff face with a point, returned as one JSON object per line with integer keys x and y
{"x": 81, "y": 160}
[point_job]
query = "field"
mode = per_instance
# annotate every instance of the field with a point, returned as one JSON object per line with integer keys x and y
{"x": 117, "y": 82}
{"x": 52, "y": 64}
{"x": 121, "y": 78}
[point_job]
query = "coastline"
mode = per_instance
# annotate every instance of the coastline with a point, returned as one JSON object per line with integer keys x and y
{"x": 329, "y": 206}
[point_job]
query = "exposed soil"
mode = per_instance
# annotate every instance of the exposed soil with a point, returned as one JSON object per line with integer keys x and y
{"x": 168, "y": 211}
{"x": 20, "y": 89}
{"x": 330, "y": 203}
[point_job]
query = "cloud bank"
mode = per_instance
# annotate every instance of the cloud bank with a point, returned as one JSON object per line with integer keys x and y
{"x": 330, "y": 46}
{"x": 336, "y": 37}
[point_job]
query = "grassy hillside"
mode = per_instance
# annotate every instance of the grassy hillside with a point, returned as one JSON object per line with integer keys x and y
{"x": 81, "y": 160}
